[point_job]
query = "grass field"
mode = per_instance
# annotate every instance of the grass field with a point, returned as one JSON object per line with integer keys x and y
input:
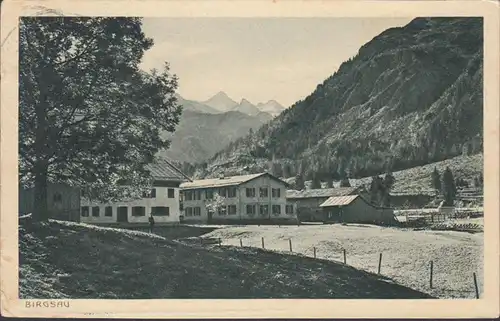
{"x": 72, "y": 260}
{"x": 406, "y": 254}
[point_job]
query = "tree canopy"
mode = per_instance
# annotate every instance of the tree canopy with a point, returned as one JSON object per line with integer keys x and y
{"x": 88, "y": 116}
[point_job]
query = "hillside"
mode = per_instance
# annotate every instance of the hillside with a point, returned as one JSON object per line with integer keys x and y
{"x": 195, "y": 106}
{"x": 71, "y": 260}
{"x": 411, "y": 96}
{"x": 419, "y": 178}
{"x": 199, "y": 136}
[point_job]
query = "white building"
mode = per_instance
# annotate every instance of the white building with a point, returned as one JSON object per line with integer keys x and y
{"x": 256, "y": 198}
{"x": 163, "y": 201}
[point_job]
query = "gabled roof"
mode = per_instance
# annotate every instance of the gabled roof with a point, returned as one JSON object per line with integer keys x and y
{"x": 339, "y": 200}
{"x": 165, "y": 171}
{"x": 320, "y": 192}
{"x": 226, "y": 181}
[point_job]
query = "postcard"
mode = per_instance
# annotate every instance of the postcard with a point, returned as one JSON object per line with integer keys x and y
{"x": 250, "y": 159}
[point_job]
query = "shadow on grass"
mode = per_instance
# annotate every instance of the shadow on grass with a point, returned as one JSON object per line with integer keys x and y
{"x": 115, "y": 264}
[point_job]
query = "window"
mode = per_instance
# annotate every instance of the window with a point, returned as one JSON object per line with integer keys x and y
{"x": 150, "y": 194}
{"x": 85, "y": 211}
{"x": 222, "y": 210}
{"x": 276, "y": 209}
{"x": 171, "y": 193}
{"x": 160, "y": 211}
{"x": 197, "y": 211}
{"x": 263, "y": 192}
{"x": 289, "y": 209}
{"x": 223, "y": 192}
{"x": 276, "y": 192}
{"x": 189, "y": 211}
{"x": 57, "y": 198}
{"x": 231, "y": 210}
{"x": 264, "y": 210}
{"x": 250, "y": 210}
{"x": 209, "y": 194}
{"x": 108, "y": 211}
{"x": 188, "y": 195}
{"x": 95, "y": 211}
{"x": 231, "y": 192}
{"x": 250, "y": 192}
{"x": 138, "y": 211}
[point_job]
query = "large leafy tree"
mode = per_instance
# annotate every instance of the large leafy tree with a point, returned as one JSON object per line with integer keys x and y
{"x": 88, "y": 116}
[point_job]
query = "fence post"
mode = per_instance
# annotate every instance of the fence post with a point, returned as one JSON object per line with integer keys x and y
{"x": 220, "y": 242}
{"x": 241, "y": 243}
{"x": 263, "y": 243}
{"x": 314, "y": 250}
{"x": 290, "y": 242}
{"x": 345, "y": 260}
{"x": 201, "y": 241}
{"x": 432, "y": 268}
{"x": 379, "y": 262}
{"x": 475, "y": 285}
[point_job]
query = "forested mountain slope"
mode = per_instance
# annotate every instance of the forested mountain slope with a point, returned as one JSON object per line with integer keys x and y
{"x": 200, "y": 135}
{"x": 411, "y": 96}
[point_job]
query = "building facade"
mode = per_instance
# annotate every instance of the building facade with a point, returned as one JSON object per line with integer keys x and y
{"x": 355, "y": 209}
{"x": 63, "y": 202}
{"x": 257, "y": 198}
{"x": 163, "y": 202}
{"x": 308, "y": 201}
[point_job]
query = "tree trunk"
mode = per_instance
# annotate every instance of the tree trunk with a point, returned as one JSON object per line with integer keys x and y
{"x": 40, "y": 206}
{"x": 40, "y": 168}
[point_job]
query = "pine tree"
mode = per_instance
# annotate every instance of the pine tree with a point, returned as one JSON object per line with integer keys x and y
{"x": 436, "y": 180}
{"x": 316, "y": 183}
{"x": 389, "y": 180}
{"x": 276, "y": 169}
{"x": 449, "y": 189}
{"x": 345, "y": 182}
{"x": 299, "y": 182}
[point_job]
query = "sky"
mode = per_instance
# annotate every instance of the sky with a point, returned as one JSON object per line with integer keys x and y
{"x": 258, "y": 59}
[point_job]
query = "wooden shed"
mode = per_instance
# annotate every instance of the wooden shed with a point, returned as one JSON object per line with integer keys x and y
{"x": 355, "y": 209}
{"x": 308, "y": 201}
{"x": 63, "y": 202}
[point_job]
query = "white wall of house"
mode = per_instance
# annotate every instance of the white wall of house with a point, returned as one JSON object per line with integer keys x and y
{"x": 148, "y": 205}
{"x": 240, "y": 201}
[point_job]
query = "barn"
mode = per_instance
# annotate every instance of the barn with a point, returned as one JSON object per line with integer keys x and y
{"x": 63, "y": 202}
{"x": 308, "y": 201}
{"x": 355, "y": 209}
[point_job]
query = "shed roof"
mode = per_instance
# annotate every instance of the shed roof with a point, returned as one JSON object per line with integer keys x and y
{"x": 225, "y": 181}
{"x": 164, "y": 170}
{"x": 321, "y": 192}
{"x": 339, "y": 200}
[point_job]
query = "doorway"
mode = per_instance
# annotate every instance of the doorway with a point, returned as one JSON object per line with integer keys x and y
{"x": 122, "y": 214}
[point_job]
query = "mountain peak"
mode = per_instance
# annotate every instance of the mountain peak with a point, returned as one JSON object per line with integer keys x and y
{"x": 221, "y": 101}
{"x": 272, "y": 107}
